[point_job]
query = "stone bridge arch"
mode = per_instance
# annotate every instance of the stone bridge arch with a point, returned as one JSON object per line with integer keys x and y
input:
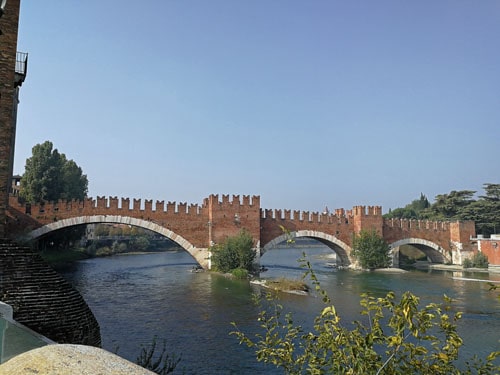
{"x": 200, "y": 255}
{"x": 340, "y": 248}
{"x": 434, "y": 252}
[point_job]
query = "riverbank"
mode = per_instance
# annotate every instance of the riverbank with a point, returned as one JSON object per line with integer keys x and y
{"x": 64, "y": 259}
{"x": 455, "y": 267}
{"x": 60, "y": 259}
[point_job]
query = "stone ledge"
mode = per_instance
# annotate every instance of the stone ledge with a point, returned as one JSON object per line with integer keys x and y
{"x": 68, "y": 359}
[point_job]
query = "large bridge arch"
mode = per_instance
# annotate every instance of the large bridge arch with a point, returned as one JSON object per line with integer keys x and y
{"x": 201, "y": 255}
{"x": 434, "y": 252}
{"x": 339, "y": 247}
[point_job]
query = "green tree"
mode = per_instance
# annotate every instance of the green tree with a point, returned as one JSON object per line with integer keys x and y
{"x": 489, "y": 219}
{"x": 370, "y": 249}
{"x": 460, "y": 205}
{"x": 410, "y": 211}
{"x": 75, "y": 183}
{"x": 101, "y": 230}
{"x": 140, "y": 243}
{"x": 235, "y": 252}
{"x": 457, "y": 205}
{"x": 449, "y": 206}
{"x": 49, "y": 176}
{"x": 394, "y": 337}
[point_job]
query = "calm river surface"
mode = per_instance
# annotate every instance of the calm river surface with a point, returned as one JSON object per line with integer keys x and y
{"x": 138, "y": 297}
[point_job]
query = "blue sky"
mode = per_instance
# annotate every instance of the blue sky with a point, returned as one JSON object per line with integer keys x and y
{"x": 305, "y": 103}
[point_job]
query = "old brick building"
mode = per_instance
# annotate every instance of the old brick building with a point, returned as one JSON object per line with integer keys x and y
{"x": 12, "y": 74}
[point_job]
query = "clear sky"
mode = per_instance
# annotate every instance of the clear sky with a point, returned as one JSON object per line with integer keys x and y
{"x": 305, "y": 103}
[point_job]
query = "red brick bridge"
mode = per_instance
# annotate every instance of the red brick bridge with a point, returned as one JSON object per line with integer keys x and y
{"x": 196, "y": 227}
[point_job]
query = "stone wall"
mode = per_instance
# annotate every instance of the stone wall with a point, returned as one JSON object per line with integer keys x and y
{"x": 42, "y": 299}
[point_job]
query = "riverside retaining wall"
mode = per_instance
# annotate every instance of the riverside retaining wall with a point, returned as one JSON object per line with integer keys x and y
{"x": 42, "y": 299}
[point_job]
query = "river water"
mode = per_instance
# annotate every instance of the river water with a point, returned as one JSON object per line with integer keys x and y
{"x": 138, "y": 297}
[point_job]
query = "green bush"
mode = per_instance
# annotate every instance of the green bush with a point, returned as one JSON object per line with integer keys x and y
{"x": 118, "y": 247}
{"x": 371, "y": 250}
{"x": 240, "y": 273}
{"x": 467, "y": 263}
{"x": 140, "y": 243}
{"x": 234, "y": 252}
{"x": 103, "y": 251}
{"x": 479, "y": 260}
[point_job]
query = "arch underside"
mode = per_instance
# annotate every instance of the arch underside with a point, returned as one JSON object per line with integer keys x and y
{"x": 340, "y": 248}
{"x": 200, "y": 255}
{"x": 434, "y": 252}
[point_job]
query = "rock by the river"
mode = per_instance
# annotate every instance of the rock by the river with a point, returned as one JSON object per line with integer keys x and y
{"x": 68, "y": 359}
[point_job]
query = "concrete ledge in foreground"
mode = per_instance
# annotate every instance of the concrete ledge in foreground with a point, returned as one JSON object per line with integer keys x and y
{"x": 67, "y": 359}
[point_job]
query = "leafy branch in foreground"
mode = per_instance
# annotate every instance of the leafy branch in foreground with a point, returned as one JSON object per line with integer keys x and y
{"x": 396, "y": 337}
{"x": 161, "y": 364}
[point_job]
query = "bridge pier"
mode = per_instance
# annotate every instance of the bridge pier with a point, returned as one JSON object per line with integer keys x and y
{"x": 394, "y": 257}
{"x": 202, "y": 256}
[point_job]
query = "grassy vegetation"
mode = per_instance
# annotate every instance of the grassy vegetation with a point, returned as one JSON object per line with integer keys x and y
{"x": 240, "y": 273}
{"x": 60, "y": 257}
{"x": 285, "y": 284}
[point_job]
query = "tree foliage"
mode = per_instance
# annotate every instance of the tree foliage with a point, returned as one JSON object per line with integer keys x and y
{"x": 370, "y": 249}
{"x": 458, "y": 205}
{"x": 234, "y": 252}
{"x": 50, "y": 176}
{"x": 393, "y": 337}
{"x": 449, "y": 206}
{"x": 479, "y": 260}
{"x": 410, "y": 211}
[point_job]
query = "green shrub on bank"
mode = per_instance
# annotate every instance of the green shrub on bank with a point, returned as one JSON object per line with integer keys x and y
{"x": 371, "y": 250}
{"x": 240, "y": 273}
{"x": 235, "y": 252}
{"x": 104, "y": 251}
{"x": 479, "y": 260}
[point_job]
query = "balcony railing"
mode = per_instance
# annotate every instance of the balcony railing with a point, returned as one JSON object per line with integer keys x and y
{"x": 21, "y": 67}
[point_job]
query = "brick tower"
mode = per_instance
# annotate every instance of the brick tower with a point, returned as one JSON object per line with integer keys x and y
{"x": 12, "y": 73}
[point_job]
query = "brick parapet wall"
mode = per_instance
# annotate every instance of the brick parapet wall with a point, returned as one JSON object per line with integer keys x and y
{"x": 216, "y": 219}
{"x": 193, "y": 222}
{"x": 397, "y": 229}
{"x": 446, "y": 234}
{"x": 188, "y": 221}
{"x": 367, "y": 218}
{"x": 338, "y": 224}
{"x": 226, "y": 217}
